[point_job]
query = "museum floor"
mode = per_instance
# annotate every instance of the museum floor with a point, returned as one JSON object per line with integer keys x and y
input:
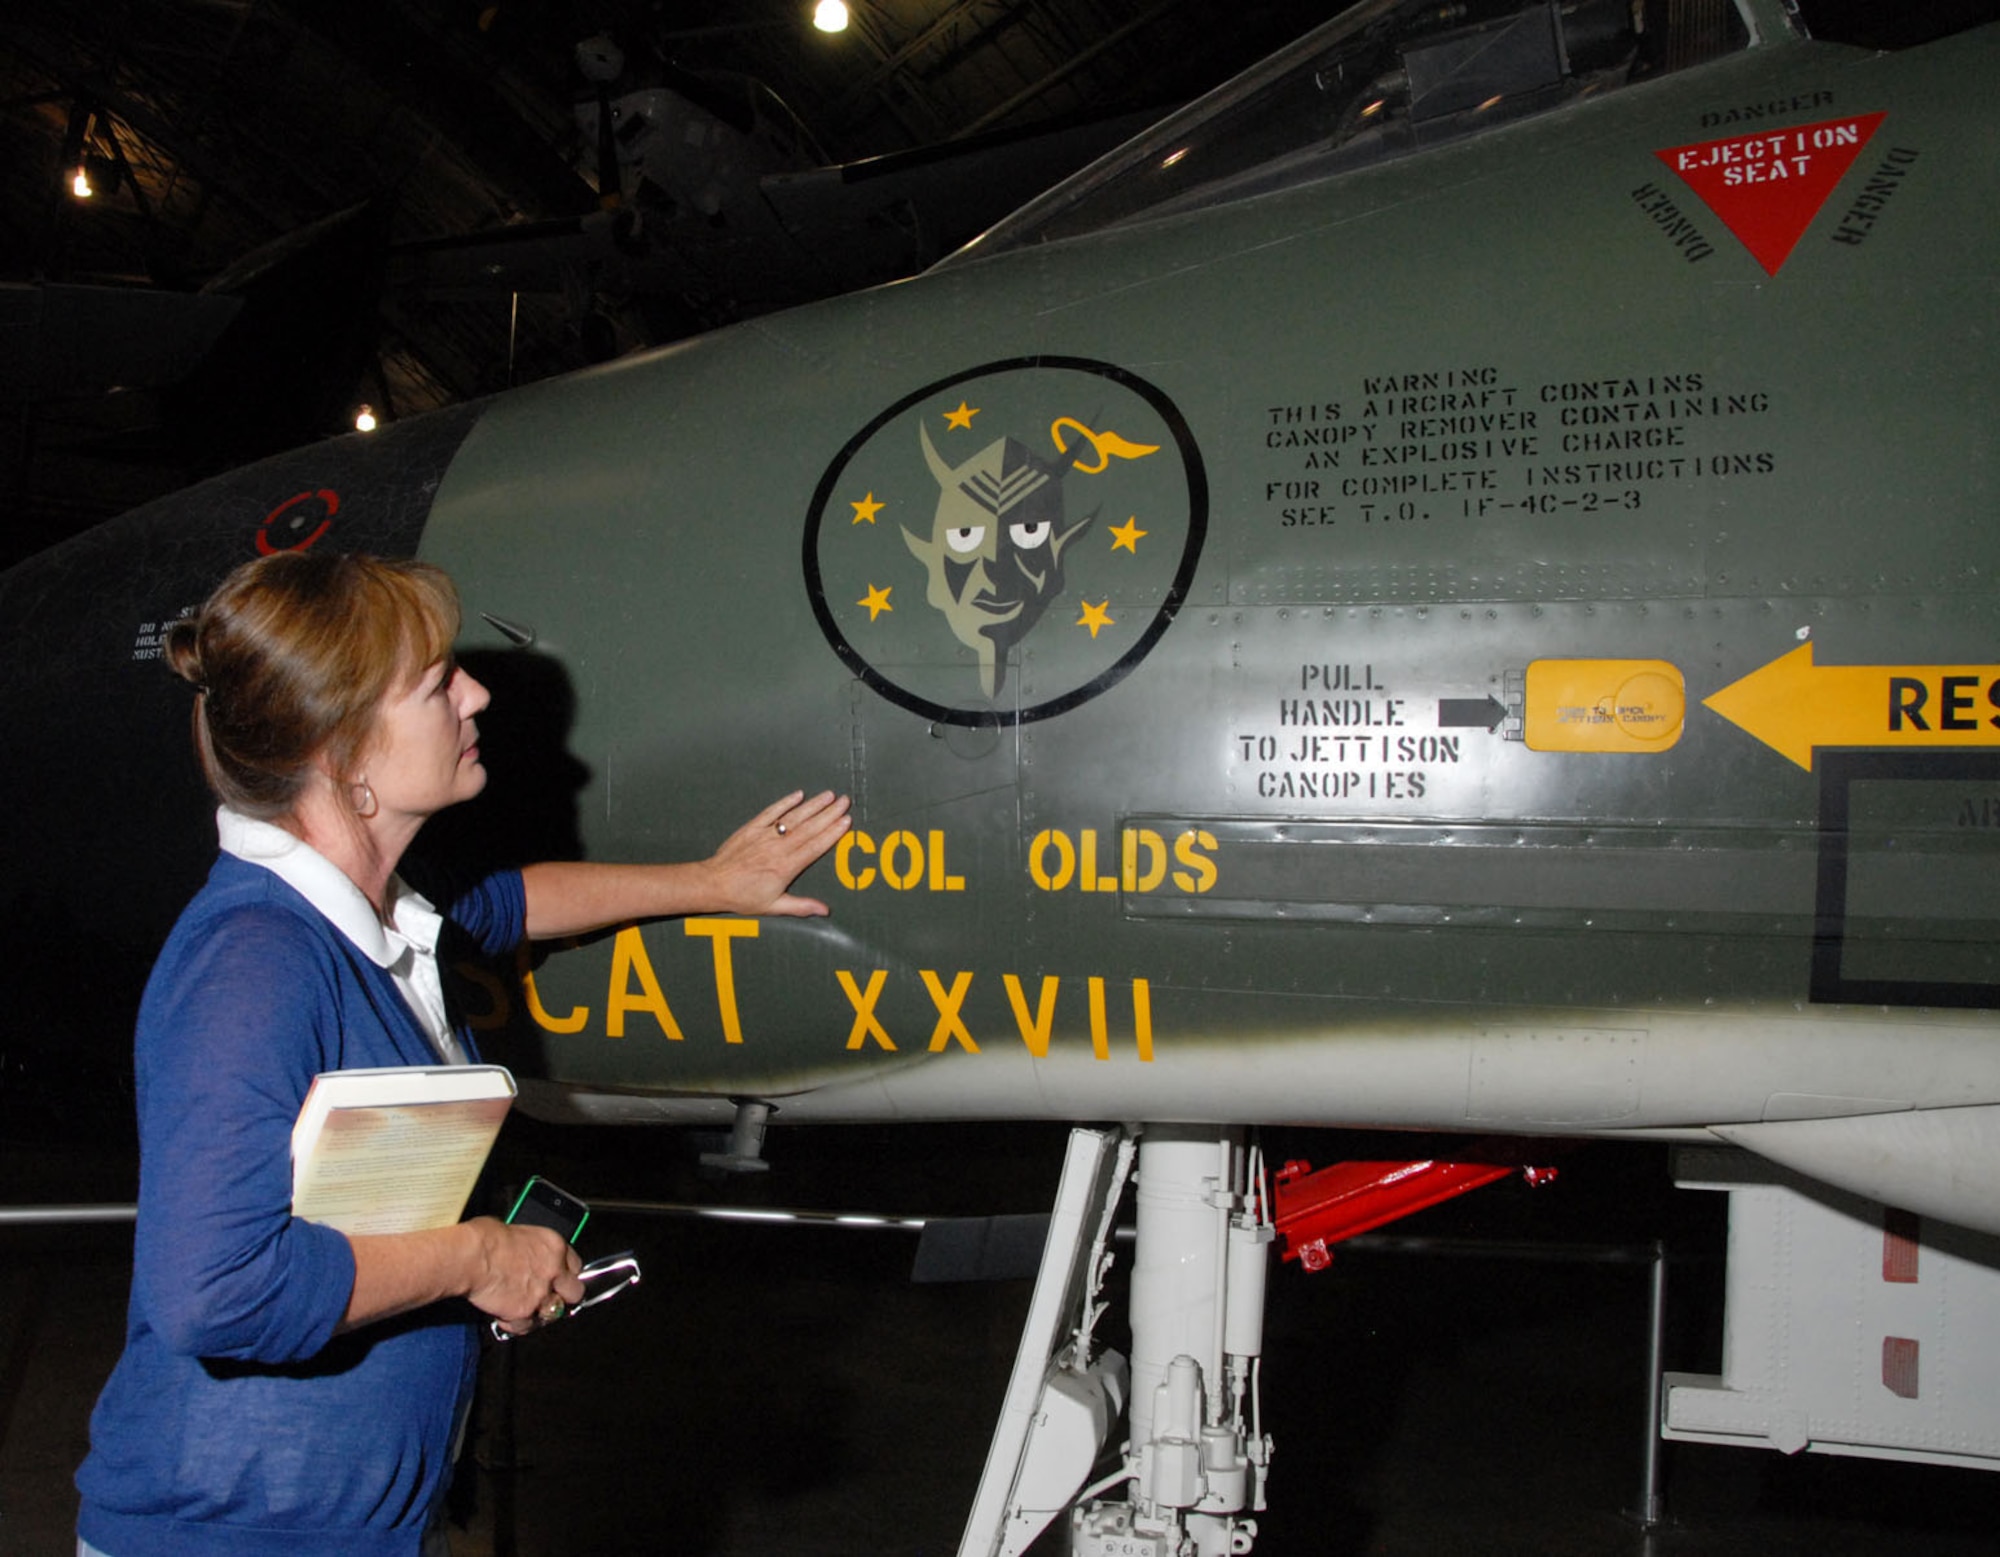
{"x": 788, "y": 1389}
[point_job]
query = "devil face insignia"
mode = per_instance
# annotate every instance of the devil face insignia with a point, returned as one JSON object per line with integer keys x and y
{"x": 1007, "y": 543}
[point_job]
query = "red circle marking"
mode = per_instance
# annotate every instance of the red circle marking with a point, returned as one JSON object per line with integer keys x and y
{"x": 326, "y": 495}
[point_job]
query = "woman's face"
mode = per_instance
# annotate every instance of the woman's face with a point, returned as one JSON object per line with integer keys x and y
{"x": 424, "y": 753}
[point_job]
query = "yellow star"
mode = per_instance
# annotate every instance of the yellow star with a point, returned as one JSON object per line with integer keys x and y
{"x": 1096, "y": 616}
{"x": 867, "y": 509}
{"x": 1127, "y": 535}
{"x": 962, "y": 417}
{"x": 877, "y": 601}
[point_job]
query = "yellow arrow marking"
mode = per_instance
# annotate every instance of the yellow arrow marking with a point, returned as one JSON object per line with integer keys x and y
{"x": 1793, "y": 705}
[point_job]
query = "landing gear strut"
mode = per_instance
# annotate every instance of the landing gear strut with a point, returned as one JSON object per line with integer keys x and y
{"x": 1194, "y": 1464}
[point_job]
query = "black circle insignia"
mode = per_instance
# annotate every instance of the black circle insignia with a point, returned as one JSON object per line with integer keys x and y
{"x": 1006, "y": 543}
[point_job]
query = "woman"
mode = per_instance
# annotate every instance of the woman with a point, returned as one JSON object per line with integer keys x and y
{"x": 285, "y": 1387}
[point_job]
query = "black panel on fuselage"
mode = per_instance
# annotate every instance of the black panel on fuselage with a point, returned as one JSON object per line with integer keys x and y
{"x": 88, "y": 708}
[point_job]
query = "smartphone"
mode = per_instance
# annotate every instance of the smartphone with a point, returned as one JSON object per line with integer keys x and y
{"x": 542, "y": 1204}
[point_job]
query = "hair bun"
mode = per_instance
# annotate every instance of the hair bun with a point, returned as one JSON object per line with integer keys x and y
{"x": 182, "y": 652}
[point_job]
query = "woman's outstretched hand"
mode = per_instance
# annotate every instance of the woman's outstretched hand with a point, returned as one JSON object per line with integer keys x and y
{"x": 753, "y": 870}
{"x": 751, "y": 873}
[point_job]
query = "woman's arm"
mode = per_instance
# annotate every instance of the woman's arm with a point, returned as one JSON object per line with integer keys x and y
{"x": 237, "y": 1019}
{"x": 749, "y": 874}
{"x": 504, "y": 1270}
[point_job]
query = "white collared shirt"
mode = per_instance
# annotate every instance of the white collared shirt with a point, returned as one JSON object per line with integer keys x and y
{"x": 405, "y": 948}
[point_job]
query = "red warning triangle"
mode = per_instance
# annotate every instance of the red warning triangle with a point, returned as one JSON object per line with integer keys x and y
{"x": 1767, "y": 187}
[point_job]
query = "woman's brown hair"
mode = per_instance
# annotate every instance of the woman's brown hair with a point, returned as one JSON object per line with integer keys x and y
{"x": 292, "y": 656}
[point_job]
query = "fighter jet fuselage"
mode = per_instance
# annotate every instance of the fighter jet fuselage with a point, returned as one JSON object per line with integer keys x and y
{"x": 1480, "y": 616}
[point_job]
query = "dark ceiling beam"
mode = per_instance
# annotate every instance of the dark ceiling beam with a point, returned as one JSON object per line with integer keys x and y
{"x": 444, "y": 353}
{"x": 1056, "y": 77}
{"x": 157, "y": 239}
{"x": 997, "y": 45}
{"x": 88, "y": 84}
{"x": 310, "y": 192}
{"x": 390, "y": 43}
{"x": 72, "y": 153}
{"x": 851, "y": 108}
{"x": 1058, "y": 24}
{"x": 895, "y": 61}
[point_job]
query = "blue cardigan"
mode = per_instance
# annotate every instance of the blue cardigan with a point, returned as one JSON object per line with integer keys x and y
{"x": 236, "y": 1421}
